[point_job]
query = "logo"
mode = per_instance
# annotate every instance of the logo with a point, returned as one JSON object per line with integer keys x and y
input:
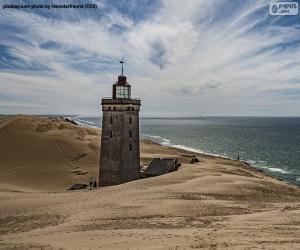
{"x": 274, "y": 8}
{"x": 283, "y": 9}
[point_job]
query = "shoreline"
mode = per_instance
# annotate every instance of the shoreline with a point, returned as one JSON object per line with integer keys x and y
{"x": 192, "y": 151}
{"x": 74, "y": 153}
{"x": 266, "y": 170}
{"x": 242, "y": 163}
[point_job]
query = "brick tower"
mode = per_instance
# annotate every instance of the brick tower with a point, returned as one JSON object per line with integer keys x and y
{"x": 120, "y": 147}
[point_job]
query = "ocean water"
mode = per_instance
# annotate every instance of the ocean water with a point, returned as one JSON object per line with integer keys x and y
{"x": 268, "y": 143}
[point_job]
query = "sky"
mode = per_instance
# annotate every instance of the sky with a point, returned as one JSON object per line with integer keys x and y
{"x": 182, "y": 58}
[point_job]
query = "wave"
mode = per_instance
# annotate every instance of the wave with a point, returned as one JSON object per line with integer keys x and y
{"x": 167, "y": 142}
{"x": 251, "y": 162}
{"x": 84, "y": 123}
{"x": 279, "y": 170}
{"x": 186, "y": 148}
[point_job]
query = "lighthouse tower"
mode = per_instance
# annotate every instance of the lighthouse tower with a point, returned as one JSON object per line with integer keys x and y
{"x": 120, "y": 147}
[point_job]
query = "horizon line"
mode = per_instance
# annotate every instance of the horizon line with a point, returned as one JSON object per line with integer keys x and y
{"x": 168, "y": 117}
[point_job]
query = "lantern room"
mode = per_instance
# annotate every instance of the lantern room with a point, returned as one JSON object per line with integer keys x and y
{"x": 121, "y": 89}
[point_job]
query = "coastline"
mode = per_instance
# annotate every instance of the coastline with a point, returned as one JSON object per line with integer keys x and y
{"x": 267, "y": 172}
{"x": 241, "y": 163}
{"x": 184, "y": 149}
{"x": 267, "y": 169}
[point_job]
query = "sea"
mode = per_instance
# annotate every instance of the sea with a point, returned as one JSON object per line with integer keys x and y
{"x": 271, "y": 144}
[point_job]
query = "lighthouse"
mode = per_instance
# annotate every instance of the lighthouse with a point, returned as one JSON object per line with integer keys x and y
{"x": 120, "y": 147}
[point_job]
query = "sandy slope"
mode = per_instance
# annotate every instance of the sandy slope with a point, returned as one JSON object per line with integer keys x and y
{"x": 46, "y": 154}
{"x": 217, "y": 204}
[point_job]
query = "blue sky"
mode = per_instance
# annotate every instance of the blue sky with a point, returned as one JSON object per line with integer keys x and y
{"x": 189, "y": 57}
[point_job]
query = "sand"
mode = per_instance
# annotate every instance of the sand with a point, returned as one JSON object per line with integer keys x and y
{"x": 215, "y": 204}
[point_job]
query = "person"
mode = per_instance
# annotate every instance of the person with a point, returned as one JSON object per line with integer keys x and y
{"x": 238, "y": 158}
{"x": 91, "y": 182}
{"x": 95, "y": 184}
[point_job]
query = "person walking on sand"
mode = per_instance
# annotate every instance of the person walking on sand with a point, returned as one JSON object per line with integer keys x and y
{"x": 91, "y": 183}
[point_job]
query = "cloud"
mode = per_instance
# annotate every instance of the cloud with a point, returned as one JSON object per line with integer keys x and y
{"x": 222, "y": 57}
{"x": 192, "y": 91}
{"x": 158, "y": 54}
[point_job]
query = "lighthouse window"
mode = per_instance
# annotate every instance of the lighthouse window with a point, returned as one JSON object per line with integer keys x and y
{"x": 111, "y": 134}
{"x": 111, "y": 120}
{"x": 128, "y": 108}
{"x": 130, "y": 147}
{"x": 132, "y": 108}
{"x": 130, "y": 133}
{"x": 130, "y": 120}
{"x": 123, "y": 92}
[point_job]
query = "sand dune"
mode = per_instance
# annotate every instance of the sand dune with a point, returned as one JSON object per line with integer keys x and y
{"x": 216, "y": 204}
{"x": 47, "y": 154}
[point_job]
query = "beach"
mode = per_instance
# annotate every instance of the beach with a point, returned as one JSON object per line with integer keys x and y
{"x": 215, "y": 204}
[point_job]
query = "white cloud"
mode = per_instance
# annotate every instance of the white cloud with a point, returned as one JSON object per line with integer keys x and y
{"x": 189, "y": 56}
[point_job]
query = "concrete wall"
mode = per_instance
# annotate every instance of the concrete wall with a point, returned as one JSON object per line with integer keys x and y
{"x": 119, "y": 164}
